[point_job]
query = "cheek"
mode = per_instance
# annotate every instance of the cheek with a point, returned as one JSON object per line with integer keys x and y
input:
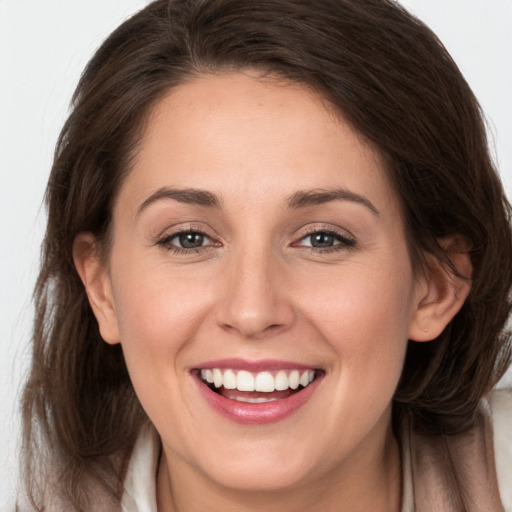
{"x": 358, "y": 301}
{"x": 363, "y": 314}
{"x": 158, "y": 314}
{"x": 157, "y": 308}
{"x": 364, "y": 321}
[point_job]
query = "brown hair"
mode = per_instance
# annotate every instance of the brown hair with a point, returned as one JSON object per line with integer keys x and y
{"x": 391, "y": 78}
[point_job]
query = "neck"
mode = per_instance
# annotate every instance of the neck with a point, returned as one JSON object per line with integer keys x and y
{"x": 372, "y": 482}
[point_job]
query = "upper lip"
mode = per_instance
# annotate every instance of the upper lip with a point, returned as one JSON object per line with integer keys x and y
{"x": 254, "y": 366}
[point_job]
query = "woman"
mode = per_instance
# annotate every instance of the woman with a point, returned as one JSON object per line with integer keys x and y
{"x": 276, "y": 271}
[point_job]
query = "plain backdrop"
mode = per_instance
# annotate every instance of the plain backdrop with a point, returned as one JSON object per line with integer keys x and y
{"x": 44, "y": 45}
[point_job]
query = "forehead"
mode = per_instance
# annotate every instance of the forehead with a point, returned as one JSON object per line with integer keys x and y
{"x": 239, "y": 136}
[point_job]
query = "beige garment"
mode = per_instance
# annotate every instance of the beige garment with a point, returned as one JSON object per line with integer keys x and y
{"x": 444, "y": 474}
{"x": 458, "y": 473}
{"x": 501, "y": 406}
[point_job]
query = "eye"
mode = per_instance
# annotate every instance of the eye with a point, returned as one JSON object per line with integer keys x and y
{"x": 320, "y": 240}
{"x": 325, "y": 240}
{"x": 186, "y": 241}
{"x": 189, "y": 240}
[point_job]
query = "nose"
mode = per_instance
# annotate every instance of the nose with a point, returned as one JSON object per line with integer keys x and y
{"x": 255, "y": 302}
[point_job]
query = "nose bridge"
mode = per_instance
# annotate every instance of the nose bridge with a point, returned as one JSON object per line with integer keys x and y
{"x": 254, "y": 302}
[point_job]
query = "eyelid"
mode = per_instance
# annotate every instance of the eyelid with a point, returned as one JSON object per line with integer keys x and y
{"x": 345, "y": 239}
{"x": 165, "y": 238}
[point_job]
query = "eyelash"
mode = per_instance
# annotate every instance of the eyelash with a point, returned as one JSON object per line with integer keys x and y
{"x": 166, "y": 241}
{"x": 342, "y": 241}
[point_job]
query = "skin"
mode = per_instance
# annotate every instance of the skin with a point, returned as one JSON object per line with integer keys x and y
{"x": 256, "y": 289}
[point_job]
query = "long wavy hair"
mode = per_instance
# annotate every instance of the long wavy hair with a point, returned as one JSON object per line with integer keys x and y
{"x": 394, "y": 82}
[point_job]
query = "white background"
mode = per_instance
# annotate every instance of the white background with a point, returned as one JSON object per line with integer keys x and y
{"x": 44, "y": 45}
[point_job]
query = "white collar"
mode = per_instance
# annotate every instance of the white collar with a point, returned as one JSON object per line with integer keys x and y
{"x": 140, "y": 481}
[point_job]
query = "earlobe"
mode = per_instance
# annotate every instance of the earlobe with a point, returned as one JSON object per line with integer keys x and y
{"x": 441, "y": 293}
{"x": 96, "y": 280}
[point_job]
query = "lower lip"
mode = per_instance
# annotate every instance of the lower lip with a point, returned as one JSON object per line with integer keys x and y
{"x": 259, "y": 414}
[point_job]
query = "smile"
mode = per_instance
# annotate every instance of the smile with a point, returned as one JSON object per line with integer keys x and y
{"x": 264, "y": 382}
{"x": 257, "y": 395}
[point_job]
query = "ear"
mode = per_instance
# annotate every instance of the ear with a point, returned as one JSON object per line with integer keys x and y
{"x": 441, "y": 292}
{"x": 96, "y": 279}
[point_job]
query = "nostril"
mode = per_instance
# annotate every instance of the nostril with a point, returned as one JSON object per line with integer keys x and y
{"x": 252, "y": 328}
{"x": 253, "y": 304}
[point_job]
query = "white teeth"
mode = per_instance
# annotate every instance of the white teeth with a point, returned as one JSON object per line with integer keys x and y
{"x": 304, "y": 379}
{"x": 266, "y": 382}
{"x": 229, "y": 380}
{"x": 244, "y": 381}
{"x": 217, "y": 378}
{"x": 281, "y": 381}
{"x": 207, "y": 375}
{"x": 294, "y": 379}
{"x": 254, "y": 400}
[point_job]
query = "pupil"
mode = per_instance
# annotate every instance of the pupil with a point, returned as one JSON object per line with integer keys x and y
{"x": 191, "y": 240}
{"x": 322, "y": 240}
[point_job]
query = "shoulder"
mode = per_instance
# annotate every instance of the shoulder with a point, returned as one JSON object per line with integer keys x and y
{"x": 500, "y": 401}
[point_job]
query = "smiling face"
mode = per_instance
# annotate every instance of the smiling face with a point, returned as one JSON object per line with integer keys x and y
{"x": 257, "y": 242}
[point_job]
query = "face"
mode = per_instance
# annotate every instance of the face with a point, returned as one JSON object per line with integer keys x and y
{"x": 258, "y": 244}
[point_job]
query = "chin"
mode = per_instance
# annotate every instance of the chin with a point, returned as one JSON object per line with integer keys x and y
{"x": 271, "y": 476}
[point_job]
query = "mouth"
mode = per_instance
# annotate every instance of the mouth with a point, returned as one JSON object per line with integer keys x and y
{"x": 257, "y": 395}
{"x": 256, "y": 387}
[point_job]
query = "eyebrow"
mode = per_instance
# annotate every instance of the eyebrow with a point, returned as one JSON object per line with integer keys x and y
{"x": 183, "y": 195}
{"x": 300, "y": 199}
{"x": 304, "y": 198}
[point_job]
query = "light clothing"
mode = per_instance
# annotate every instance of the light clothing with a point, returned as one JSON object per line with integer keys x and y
{"x": 501, "y": 405}
{"x": 430, "y": 466}
{"x": 140, "y": 481}
{"x": 477, "y": 465}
